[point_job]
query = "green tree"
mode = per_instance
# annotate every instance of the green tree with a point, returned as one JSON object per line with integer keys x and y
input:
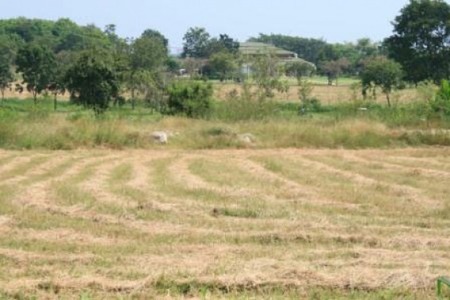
{"x": 421, "y": 40}
{"x": 383, "y": 73}
{"x": 148, "y": 55}
{"x": 151, "y": 89}
{"x": 196, "y": 43}
{"x": 194, "y": 66}
{"x": 334, "y": 69}
{"x": 222, "y": 65}
{"x": 173, "y": 65}
{"x": 299, "y": 69}
{"x": 6, "y": 76}
{"x": 92, "y": 81}
{"x": 57, "y": 86}
{"x": 266, "y": 73}
{"x": 441, "y": 102}
{"x": 8, "y": 47}
{"x": 366, "y": 48}
{"x": 191, "y": 98}
{"x": 223, "y": 44}
{"x": 6, "y": 60}
{"x": 37, "y": 65}
{"x": 156, "y": 35}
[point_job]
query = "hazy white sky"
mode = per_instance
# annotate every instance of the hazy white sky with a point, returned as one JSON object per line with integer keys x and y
{"x": 332, "y": 20}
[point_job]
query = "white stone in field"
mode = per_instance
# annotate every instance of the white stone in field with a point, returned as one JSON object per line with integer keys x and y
{"x": 160, "y": 137}
{"x": 247, "y": 138}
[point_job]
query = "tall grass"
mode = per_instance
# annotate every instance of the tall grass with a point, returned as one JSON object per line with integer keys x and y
{"x": 273, "y": 124}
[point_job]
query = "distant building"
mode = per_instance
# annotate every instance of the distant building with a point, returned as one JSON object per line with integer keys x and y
{"x": 250, "y": 50}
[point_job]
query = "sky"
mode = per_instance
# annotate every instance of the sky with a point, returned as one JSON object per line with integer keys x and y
{"x": 331, "y": 20}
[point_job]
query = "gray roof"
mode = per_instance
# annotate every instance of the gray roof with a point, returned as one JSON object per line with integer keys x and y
{"x": 254, "y": 48}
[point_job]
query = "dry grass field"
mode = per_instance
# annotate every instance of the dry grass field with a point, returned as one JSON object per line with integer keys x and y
{"x": 326, "y": 94}
{"x": 289, "y": 223}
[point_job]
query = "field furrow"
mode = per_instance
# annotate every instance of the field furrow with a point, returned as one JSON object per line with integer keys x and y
{"x": 136, "y": 223}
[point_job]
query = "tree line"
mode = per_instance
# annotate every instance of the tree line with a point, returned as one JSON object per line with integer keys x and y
{"x": 97, "y": 67}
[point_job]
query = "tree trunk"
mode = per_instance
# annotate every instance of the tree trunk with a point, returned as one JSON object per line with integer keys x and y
{"x": 55, "y": 102}
{"x": 132, "y": 99}
{"x": 35, "y": 98}
{"x": 388, "y": 99}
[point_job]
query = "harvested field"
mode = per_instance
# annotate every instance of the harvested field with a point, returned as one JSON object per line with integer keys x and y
{"x": 227, "y": 223}
{"x": 325, "y": 94}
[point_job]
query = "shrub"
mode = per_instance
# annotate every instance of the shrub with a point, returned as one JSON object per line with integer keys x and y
{"x": 310, "y": 105}
{"x": 245, "y": 106}
{"x": 190, "y": 98}
{"x": 441, "y": 102}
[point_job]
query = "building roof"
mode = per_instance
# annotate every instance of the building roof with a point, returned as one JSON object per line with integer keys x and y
{"x": 254, "y": 48}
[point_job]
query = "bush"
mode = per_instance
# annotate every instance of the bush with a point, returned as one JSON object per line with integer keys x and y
{"x": 190, "y": 98}
{"x": 245, "y": 106}
{"x": 310, "y": 105}
{"x": 441, "y": 102}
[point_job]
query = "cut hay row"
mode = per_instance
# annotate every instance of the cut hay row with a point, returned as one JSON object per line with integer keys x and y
{"x": 227, "y": 223}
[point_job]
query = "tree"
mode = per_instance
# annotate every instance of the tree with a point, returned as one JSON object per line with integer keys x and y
{"x": 299, "y": 69}
{"x": 57, "y": 85}
{"x": 194, "y": 66}
{"x": 223, "y": 44}
{"x": 441, "y": 102}
{"x": 366, "y": 48}
{"x": 196, "y": 42}
{"x": 173, "y": 65}
{"x": 6, "y": 60}
{"x": 92, "y": 81}
{"x": 305, "y": 89}
{"x": 421, "y": 40}
{"x": 8, "y": 47}
{"x": 381, "y": 72}
{"x": 192, "y": 98}
{"x": 333, "y": 69}
{"x": 117, "y": 43}
{"x": 266, "y": 72}
{"x": 62, "y": 35}
{"x": 148, "y": 54}
{"x": 154, "y": 34}
{"x": 37, "y": 65}
{"x": 222, "y": 65}
{"x": 151, "y": 89}
{"x": 6, "y": 76}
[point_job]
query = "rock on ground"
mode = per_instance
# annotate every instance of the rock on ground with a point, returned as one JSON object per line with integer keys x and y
{"x": 160, "y": 137}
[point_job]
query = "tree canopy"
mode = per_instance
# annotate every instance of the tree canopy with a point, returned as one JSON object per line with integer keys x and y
{"x": 196, "y": 41}
{"x": 92, "y": 81}
{"x": 319, "y": 51}
{"x": 199, "y": 44}
{"x": 421, "y": 40}
{"x": 37, "y": 65}
{"x": 383, "y": 73}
